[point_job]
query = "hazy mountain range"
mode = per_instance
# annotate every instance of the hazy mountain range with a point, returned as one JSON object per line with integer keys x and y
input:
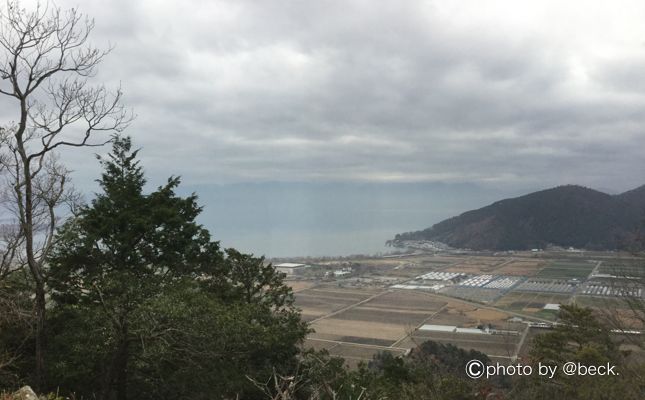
{"x": 568, "y": 216}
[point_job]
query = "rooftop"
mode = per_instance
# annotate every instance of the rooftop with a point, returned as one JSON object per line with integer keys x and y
{"x": 290, "y": 265}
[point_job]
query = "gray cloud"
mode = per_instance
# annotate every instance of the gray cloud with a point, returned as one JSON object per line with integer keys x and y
{"x": 252, "y": 91}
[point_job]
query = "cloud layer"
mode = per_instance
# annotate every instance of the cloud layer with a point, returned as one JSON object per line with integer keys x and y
{"x": 388, "y": 91}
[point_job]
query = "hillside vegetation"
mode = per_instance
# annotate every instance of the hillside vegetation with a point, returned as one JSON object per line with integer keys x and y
{"x": 568, "y": 216}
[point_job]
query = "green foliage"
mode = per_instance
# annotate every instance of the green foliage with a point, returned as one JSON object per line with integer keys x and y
{"x": 127, "y": 245}
{"x": 149, "y": 307}
{"x": 250, "y": 279}
{"x": 579, "y": 338}
{"x": 16, "y": 330}
{"x": 426, "y": 374}
{"x": 578, "y": 334}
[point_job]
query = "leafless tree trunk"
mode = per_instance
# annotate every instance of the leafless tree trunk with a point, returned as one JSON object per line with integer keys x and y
{"x": 13, "y": 311}
{"x": 45, "y": 66}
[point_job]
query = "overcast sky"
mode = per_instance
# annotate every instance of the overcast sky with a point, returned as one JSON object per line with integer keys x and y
{"x": 500, "y": 92}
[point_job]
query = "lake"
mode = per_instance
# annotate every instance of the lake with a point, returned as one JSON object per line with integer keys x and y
{"x": 329, "y": 219}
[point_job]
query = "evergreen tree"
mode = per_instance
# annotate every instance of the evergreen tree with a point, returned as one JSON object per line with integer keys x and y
{"x": 148, "y": 306}
{"x": 582, "y": 339}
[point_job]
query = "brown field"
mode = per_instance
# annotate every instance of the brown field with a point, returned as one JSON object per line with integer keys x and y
{"x": 318, "y": 302}
{"x": 336, "y": 292}
{"x": 477, "y": 265}
{"x": 466, "y": 316}
{"x": 486, "y": 315}
{"x": 381, "y": 321}
{"x": 512, "y": 300}
{"x": 479, "y": 295}
{"x": 610, "y": 303}
{"x": 521, "y": 268}
{"x": 406, "y": 300}
{"x": 486, "y": 261}
{"x": 334, "y": 329}
{"x": 376, "y": 315}
{"x": 433, "y": 263}
{"x": 453, "y": 316}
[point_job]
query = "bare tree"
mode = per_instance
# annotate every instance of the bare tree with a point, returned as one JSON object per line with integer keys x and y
{"x": 45, "y": 67}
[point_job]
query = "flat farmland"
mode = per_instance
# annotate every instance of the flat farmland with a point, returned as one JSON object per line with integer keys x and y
{"x": 478, "y": 265}
{"x": 359, "y": 316}
{"x": 382, "y": 315}
{"x": 413, "y": 268}
{"x": 406, "y": 300}
{"x": 437, "y": 263}
{"x": 623, "y": 268}
{"x": 386, "y": 317}
{"x": 408, "y": 271}
{"x": 566, "y": 270}
{"x": 466, "y": 316}
{"x": 532, "y": 303}
{"x": 317, "y": 302}
{"x": 480, "y": 295}
{"x": 376, "y": 324}
{"x": 336, "y": 329}
{"x": 546, "y": 286}
{"x": 521, "y": 268}
{"x": 441, "y": 259}
{"x": 608, "y": 303}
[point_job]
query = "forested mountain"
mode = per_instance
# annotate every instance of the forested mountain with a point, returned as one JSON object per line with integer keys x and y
{"x": 635, "y": 197}
{"x": 565, "y": 216}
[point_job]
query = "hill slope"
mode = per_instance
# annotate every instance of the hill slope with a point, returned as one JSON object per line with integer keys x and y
{"x": 564, "y": 216}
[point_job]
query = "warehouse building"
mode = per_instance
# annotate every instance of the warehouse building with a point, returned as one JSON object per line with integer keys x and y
{"x": 291, "y": 269}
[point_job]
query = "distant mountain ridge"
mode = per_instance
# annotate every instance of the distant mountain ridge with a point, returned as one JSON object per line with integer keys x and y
{"x": 567, "y": 216}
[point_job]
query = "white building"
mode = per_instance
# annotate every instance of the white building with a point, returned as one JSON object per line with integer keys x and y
{"x": 291, "y": 268}
{"x": 342, "y": 272}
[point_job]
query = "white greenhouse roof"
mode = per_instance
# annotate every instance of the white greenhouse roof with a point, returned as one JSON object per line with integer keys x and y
{"x": 290, "y": 265}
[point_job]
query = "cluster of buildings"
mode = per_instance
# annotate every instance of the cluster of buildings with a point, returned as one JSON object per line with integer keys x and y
{"x": 296, "y": 269}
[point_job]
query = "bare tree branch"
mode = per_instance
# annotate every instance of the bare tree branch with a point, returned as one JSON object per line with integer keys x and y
{"x": 46, "y": 64}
